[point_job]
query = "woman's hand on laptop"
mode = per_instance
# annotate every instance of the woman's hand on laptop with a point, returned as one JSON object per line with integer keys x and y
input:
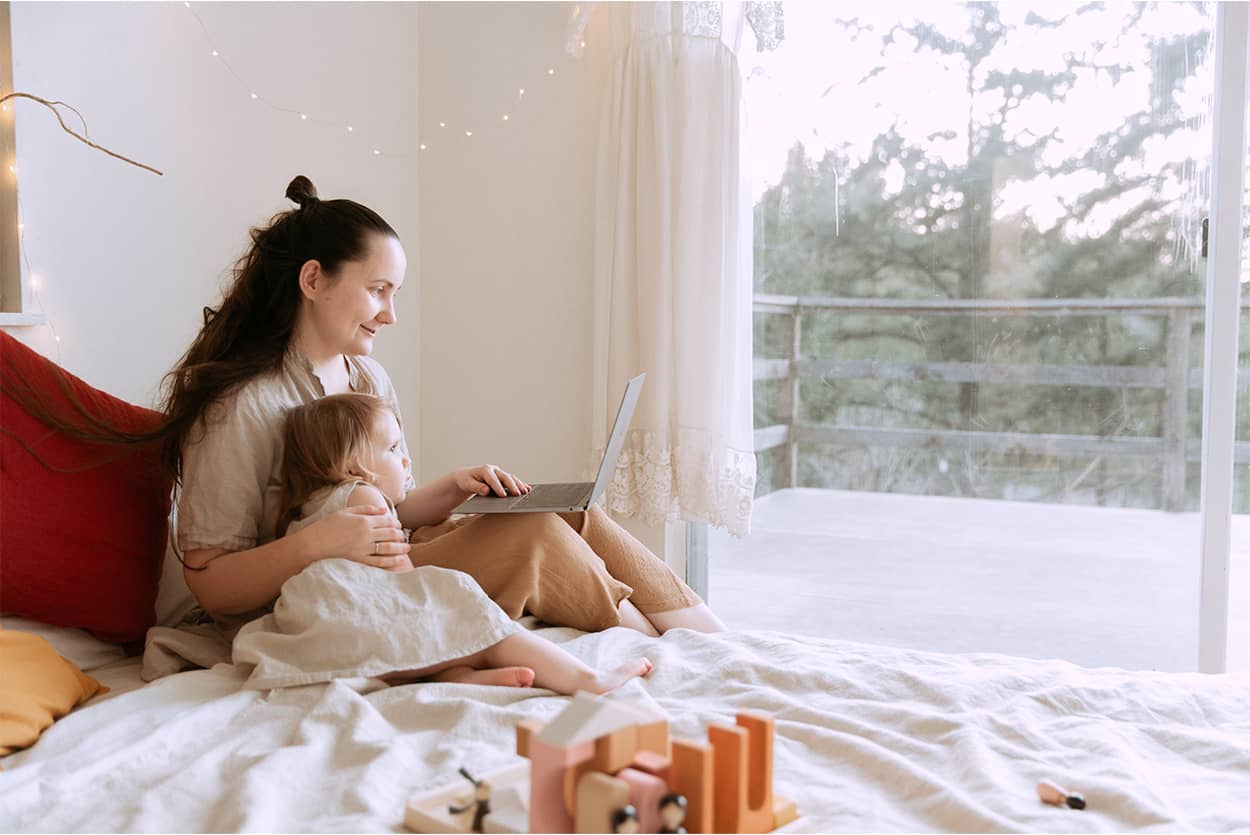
{"x": 488, "y": 480}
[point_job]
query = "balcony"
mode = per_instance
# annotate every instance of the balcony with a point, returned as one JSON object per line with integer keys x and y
{"x": 1097, "y": 585}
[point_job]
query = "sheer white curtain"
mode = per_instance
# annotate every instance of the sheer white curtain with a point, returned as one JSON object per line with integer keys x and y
{"x": 673, "y": 237}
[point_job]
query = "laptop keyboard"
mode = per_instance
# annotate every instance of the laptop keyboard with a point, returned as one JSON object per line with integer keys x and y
{"x": 555, "y": 495}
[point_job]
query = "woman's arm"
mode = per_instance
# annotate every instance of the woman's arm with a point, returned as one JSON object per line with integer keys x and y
{"x": 233, "y": 582}
{"x": 433, "y": 503}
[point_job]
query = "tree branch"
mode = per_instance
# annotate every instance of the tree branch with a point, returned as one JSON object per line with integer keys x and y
{"x": 51, "y": 105}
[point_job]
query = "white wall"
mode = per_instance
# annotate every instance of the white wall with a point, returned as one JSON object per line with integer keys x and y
{"x": 506, "y": 308}
{"x": 493, "y": 350}
{"x": 129, "y": 259}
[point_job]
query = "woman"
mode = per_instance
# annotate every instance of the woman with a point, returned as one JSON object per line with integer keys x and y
{"x": 308, "y": 300}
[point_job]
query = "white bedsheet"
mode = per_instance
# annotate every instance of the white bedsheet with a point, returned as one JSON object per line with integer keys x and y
{"x": 868, "y": 739}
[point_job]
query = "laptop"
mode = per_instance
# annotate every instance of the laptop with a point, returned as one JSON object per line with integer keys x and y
{"x": 543, "y": 498}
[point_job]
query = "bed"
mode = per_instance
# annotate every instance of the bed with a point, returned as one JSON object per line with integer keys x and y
{"x": 868, "y": 738}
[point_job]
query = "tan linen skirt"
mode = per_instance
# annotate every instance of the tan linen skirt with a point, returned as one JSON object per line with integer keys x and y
{"x": 566, "y": 569}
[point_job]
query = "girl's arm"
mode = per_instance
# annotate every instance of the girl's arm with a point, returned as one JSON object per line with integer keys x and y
{"x": 233, "y": 582}
{"x": 433, "y": 503}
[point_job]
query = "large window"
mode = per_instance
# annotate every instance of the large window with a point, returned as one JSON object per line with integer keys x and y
{"x": 979, "y": 326}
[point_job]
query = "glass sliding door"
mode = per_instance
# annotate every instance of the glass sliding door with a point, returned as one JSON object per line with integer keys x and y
{"x": 980, "y": 323}
{"x": 1225, "y": 632}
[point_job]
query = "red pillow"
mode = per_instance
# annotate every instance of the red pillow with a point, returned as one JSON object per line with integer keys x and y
{"x": 82, "y": 525}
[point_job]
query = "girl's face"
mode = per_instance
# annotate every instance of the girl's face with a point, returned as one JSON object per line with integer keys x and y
{"x": 387, "y": 461}
{"x": 345, "y": 314}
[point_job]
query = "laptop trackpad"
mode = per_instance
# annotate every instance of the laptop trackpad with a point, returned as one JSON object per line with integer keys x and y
{"x": 488, "y": 504}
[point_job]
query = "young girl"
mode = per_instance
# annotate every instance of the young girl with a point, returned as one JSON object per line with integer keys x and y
{"x": 346, "y": 450}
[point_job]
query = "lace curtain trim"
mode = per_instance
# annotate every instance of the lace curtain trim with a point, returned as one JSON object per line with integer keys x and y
{"x": 700, "y": 19}
{"x": 658, "y": 480}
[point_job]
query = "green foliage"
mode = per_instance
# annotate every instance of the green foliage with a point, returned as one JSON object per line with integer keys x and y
{"x": 901, "y": 221}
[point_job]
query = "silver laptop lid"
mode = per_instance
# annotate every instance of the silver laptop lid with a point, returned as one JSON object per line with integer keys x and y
{"x": 623, "y": 416}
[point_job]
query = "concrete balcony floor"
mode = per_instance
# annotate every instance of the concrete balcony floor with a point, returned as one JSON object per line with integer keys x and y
{"x": 1095, "y": 586}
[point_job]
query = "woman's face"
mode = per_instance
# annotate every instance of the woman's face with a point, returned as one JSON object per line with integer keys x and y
{"x": 345, "y": 313}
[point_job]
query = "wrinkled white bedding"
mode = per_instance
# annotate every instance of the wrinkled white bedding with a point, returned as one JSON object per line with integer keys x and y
{"x": 868, "y": 739}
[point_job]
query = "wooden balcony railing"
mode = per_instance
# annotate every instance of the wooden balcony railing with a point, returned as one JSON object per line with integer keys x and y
{"x": 1176, "y": 378}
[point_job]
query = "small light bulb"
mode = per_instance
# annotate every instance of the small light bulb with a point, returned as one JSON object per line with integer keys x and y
{"x": 522, "y": 91}
{"x": 376, "y": 152}
{"x": 12, "y": 169}
{"x": 36, "y": 281}
{"x": 303, "y": 115}
{"x": 551, "y": 72}
{"x": 255, "y": 96}
{"x": 505, "y": 117}
{"x": 58, "y": 339}
{"x": 468, "y": 133}
{"x": 442, "y": 124}
{"x": 215, "y": 53}
{"x": 185, "y": 3}
{"x": 583, "y": 44}
{"x": 349, "y": 128}
{"x": 423, "y": 146}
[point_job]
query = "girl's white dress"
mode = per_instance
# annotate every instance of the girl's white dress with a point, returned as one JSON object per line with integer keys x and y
{"x": 343, "y": 619}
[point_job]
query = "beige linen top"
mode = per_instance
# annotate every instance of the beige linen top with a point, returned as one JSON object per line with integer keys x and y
{"x": 232, "y": 474}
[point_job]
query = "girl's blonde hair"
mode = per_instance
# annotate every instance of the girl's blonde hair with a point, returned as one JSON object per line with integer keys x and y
{"x": 325, "y": 442}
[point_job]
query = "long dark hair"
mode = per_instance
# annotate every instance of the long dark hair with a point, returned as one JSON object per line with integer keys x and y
{"x": 245, "y": 335}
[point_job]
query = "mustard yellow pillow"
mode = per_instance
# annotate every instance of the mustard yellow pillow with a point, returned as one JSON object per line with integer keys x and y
{"x": 37, "y": 687}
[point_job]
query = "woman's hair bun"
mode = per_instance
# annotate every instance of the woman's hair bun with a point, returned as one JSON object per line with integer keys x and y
{"x": 301, "y": 191}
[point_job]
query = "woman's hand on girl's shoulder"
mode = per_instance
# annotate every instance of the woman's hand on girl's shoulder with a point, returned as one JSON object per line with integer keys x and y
{"x": 365, "y": 532}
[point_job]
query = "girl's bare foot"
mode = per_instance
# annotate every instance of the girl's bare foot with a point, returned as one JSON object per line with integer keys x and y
{"x": 497, "y": 676}
{"x": 602, "y": 682}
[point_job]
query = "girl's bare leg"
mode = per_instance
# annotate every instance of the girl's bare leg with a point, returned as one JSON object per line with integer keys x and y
{"x": 555, "y": 669}
{"x": 499, "y": 677}
{"x": 699, "y": 618}
{"x": 550, "y": 666}
{"x": 456, "y": 670}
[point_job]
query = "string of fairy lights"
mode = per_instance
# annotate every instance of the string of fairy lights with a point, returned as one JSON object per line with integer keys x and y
{"x": 34, "y": 281}
{"x": 423, "y": 144}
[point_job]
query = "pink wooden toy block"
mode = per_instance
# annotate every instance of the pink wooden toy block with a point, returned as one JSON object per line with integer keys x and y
{"x": 645, "y": 791}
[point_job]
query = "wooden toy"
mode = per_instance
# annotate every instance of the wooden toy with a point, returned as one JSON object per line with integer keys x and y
{"x": 672, "y": 814}
{"x": 645, "y": 791}
{"x": 509, "y": 804}
{"x": 625, "y": 820}
{"x": 525, "y": 729}
{"x": 784, "y": 811}
{"x": 606, "y": 766}
{"x": 480, "y": 803}
{"x": 598, "y": 798}
{"x": 743, "y": 774}
{"x": 616, "y": 750}
{"x": 1057, "y": 795}
{"x": 561, "y": 751}
{"x": 693, "y": 769}
{"x": 653, "y": 763}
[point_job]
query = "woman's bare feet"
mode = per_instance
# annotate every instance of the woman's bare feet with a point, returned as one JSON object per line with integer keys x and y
{"x": 497, "y": 676}
{"x": 602, "y": 682}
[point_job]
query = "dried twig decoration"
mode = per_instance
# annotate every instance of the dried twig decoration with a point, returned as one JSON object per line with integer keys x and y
{"x": 52, "y": 105}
